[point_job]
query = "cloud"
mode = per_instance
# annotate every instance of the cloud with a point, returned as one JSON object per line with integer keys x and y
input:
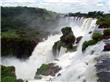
{"x": 62, "y": 1}
{"x": 63, "y": 6}
{"x": 109, "y": 4}
{"x": 100, "y": 4}
{"x": 18, "y": 1}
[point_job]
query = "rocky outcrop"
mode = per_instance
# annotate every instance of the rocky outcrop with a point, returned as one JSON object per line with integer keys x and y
{"x": 47, "y": 69}
{"x": 96, "y": 36}
{"x": 66, "y": 40}
{"x": 106, "y": 37}
{"x": 103, "y": 26}
{"x": 106, "y": 33}
{"x": 68, "y": 36}
{"x": 78, "y": 39}
{"x": 103, "y": 68}
{"x": 107, "y": 47}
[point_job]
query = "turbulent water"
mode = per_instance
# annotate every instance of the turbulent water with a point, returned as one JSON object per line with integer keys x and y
{"x": 76, "y": 66}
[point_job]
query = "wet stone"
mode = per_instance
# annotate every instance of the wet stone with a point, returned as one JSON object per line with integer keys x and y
{"x": 103, "y": 70}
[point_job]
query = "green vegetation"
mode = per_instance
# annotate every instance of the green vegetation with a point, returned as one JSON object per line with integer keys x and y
{"x": 47, "y": 69}
{"x": 26, "y": 19}
{"x": 18, "y": 21}
{"x": 96, "y": 36}
{"x": 43, "y": 69}
{"x": 94, "y": 14}
{"x": 8, "y": 74}
{"x": 104, "y": 20}
{"x": 68, "y": 36}
{"x": 88, "y": 43}
{"x": 106, "y": 31}
{"x": 20, "y": 34}
{"x": 18, "y": 47}
{"x": 22, "y": 28}
{"x": 66, "y": 40}
{"x": 10, "y": 34}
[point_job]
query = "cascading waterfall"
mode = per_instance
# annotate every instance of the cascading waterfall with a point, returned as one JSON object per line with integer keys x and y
{"x": 42, "y": 54}
{"x": 75, "y": 65}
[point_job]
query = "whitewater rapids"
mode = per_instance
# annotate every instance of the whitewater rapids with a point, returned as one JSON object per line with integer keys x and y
{"x": 76, "y": 66}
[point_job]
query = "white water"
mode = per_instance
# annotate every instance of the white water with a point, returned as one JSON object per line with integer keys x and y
{"x": 75, "y": 65}
{"x": 42, "y": 54}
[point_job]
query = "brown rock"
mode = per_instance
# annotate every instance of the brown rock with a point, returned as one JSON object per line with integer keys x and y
{"x": 107, "y": 47}
{"x": 52, "y": 70}
{"x": 78, "y": 39}
{"x": 103, "y": 26}
{"x": 106, "y": 36}
{"x": 47, "y": 69}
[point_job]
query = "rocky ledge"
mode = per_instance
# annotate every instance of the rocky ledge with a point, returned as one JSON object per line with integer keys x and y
{"x": 103, "y": 68}
{"x": 66, "y": 40}
{"x": 107, "y": 47}
{"x": 47, "y": 69}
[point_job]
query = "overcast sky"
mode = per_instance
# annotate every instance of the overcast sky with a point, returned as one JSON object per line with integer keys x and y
{"x": 62, "y": 6}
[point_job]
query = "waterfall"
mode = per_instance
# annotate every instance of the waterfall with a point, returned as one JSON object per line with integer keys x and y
{"x": 75, "y": 65}
{"x": 42, "y": 54}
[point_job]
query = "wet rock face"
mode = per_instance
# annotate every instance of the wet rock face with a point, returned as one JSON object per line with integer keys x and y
{"x": 104, "y": 77}
{"x": 107, "y": 47}
{"x": 66, "y": 30}
{"x": 106, "y": 37}
{"x": 103, "y": 68}
{"x": 56, "y": 47}
{"x": 106, "y": 33}
{"x": 68, "y": 36}
{"x": 66, "y": 41}
{"x": 78, "y": 39}
{"x": 52, "y": 70}
{"x": 103, "y": 26}
{"x": 48, "y": 69}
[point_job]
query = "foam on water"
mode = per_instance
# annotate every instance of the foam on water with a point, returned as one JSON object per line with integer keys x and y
{"x": 75, "y": 65}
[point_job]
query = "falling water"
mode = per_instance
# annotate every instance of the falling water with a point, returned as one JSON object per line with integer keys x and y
{"x": 41, "y": 54}
{"x": 75, "y": 65}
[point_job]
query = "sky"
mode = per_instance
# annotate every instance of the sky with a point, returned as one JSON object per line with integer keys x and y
{"x": 62, "y": 6}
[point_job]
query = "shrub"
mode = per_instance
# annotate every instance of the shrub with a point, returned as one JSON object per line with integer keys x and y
{"x": 9, "y": 79}
{"x": 97, "y": 36}
{"x": 66, "y": 30}
{"x": 88, "y": 43}
{"x": 104, "y": 20}
{"x": 8, "y": 74}
{"x": 106, "y": 31}
{"x": 42, "y": 69}
{"x": 7, "y": 71}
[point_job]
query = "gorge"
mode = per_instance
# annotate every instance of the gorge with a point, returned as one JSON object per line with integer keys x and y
{"x": 89, "y": 65}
